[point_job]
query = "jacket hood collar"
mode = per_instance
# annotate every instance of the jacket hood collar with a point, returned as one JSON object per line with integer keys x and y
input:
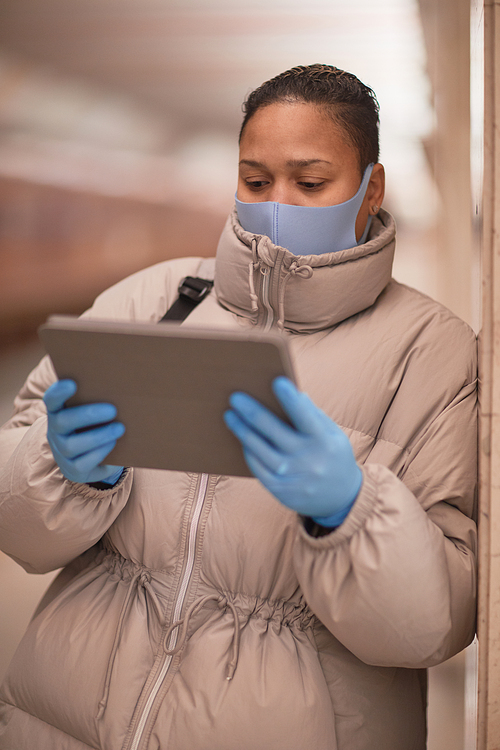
{"x": 303, "y": 293}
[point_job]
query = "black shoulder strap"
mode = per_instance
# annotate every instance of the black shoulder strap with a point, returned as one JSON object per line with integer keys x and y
{"x": 191, "y": 292}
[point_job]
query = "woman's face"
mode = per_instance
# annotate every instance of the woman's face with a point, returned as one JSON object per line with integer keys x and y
{"x": 294, "y": 153}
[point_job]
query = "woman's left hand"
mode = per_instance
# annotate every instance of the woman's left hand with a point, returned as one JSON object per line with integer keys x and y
{"x": 309, "y": 467}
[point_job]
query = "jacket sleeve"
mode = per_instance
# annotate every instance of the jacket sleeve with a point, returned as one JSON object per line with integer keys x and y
{"x": 396, "y": 582}
{"x": 46, "y": 520}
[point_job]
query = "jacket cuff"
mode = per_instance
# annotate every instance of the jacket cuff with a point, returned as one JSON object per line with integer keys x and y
{"x": 110, "y": 481}
{"x": 315, "y": 529}
{"x": 100, "y": 489}
{"x": 355, "y": 520}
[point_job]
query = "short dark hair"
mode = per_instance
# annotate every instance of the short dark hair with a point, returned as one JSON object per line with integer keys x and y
{"x": 350, "y": 104}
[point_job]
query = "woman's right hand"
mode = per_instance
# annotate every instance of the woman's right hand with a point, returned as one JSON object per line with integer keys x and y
{"x": 79, "y": 454}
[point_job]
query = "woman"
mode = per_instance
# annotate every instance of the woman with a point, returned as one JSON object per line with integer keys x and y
{"x": 298, "y": 611}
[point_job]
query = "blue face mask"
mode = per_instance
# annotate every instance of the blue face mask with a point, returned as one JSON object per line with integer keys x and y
{"x": 307, "y": 230}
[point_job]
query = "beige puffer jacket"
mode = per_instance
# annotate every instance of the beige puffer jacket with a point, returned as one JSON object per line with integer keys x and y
{"x": 285, "y": 641}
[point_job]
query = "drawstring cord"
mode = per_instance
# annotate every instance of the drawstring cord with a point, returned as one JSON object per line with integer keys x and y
{"x": 142, "y": 579}
{"x": 295, "y": 269}
{"x": 256, "y": 264}
{"x": 183, "y": 623}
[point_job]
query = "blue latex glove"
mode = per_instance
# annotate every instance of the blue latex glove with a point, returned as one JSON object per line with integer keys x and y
{"x": 310, "y": 467}
{"x": 79, "y": 454}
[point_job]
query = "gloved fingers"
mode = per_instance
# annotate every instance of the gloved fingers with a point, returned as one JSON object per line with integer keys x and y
{"x": 77, "y": 444}
{"x": 259, "y": 470}
{"x": 74, "y": 418}
{"x": 251, "y": 440}
{"x": 280, "y": 487}
{"x": 303, "y": 413}
{"x": 264, "y": 422}
{"x": 58, "y": 393}
{"x": 86, "y": 466}
{"x": 71, "y": 468}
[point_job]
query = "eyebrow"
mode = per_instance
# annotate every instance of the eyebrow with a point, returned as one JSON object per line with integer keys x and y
{"x": 306, "y": 162}
{"x": 291, "y": 163}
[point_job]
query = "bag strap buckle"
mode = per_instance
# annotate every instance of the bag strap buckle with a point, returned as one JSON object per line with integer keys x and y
{"x": 194, "y": 289}
{"x": 191, "y": 292}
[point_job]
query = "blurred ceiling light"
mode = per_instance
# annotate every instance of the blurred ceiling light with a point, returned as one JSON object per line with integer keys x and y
{"x": 40, "y": 101}
{"x": 186, "y": 66}
{"x": 90, "y": 168}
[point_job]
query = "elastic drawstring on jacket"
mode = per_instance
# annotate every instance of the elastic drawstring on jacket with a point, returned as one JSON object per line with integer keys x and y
{"x": 142, "y": 578}
{"x": 184, "y": 622}
{"x": 256, "y": 264}
{"x": 295, "y": 269}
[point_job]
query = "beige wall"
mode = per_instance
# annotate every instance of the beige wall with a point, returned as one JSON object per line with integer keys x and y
{"x": 489, "y": 516}
{"x": 446, "y": 25}
{"x": 447, "y": 31}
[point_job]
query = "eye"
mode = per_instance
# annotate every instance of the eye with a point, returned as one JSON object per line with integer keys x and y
{"x": 256, "y": 184}
{"x": 310, "y": 185}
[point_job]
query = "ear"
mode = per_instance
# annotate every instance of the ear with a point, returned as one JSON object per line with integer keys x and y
{"x": 376, "y": 189}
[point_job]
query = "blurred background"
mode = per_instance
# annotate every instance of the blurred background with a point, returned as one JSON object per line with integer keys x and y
{"x": 118, "y": 149}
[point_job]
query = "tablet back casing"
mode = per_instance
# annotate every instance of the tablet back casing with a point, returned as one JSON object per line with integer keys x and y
{"x": 170, "y": 385}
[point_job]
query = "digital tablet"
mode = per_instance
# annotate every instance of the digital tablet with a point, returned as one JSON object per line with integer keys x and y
{"x": 170, "y": 384}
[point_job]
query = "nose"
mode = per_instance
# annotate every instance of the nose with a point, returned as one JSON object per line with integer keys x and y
{"x": 282, "y": 192}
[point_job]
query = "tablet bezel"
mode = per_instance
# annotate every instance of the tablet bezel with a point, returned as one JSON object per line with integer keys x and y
{"x": 162, "y": 374}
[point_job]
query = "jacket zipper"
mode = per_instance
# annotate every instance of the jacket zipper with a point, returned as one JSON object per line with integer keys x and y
{"x": 181, "y": 597}
{"x": 266, "y": 281}
{"x": 267, "y": 273}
